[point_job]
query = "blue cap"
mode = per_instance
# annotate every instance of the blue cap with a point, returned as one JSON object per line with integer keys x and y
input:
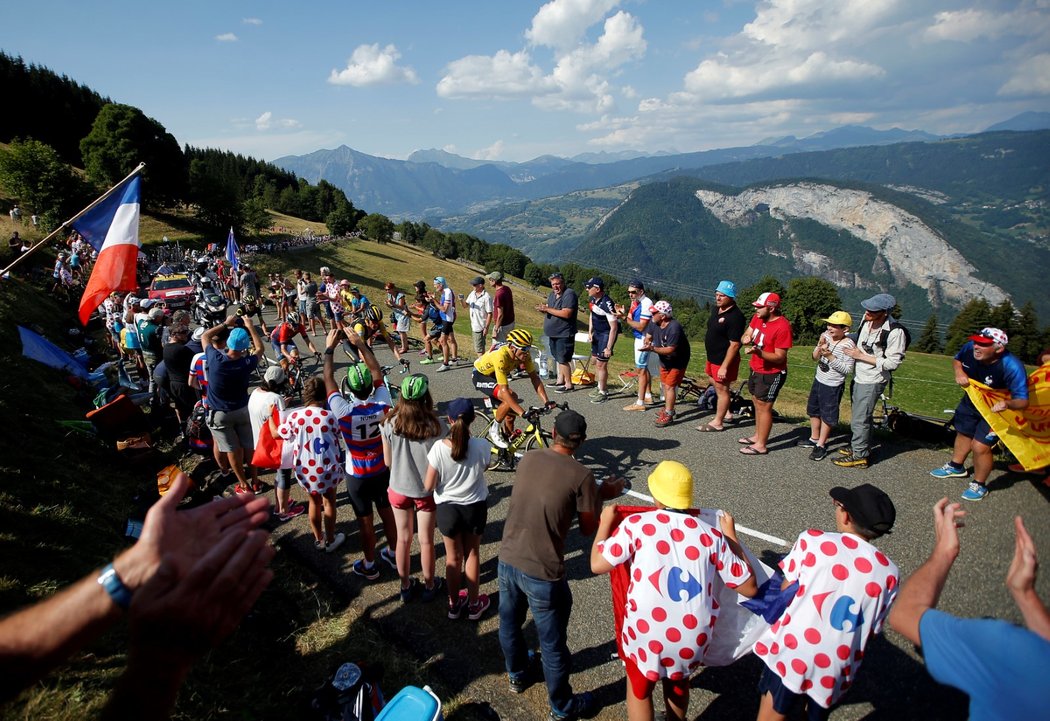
{"x": 727, "y": 287}
{"x": 239, "y": 339}
{"x": 595, "y": 282}
{"x": 878, "y": 303}
{"x": 440, "y": 280}
{"x": 459, "y": 407}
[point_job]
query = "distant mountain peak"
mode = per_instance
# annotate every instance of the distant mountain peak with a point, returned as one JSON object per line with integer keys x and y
{"x": 1023, "y": 122}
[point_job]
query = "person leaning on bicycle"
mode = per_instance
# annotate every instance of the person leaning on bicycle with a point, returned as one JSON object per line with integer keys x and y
{"x": 491, "y": 377}
{"x": 283, "y": 339}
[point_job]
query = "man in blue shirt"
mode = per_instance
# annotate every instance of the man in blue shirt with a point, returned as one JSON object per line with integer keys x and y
{"x": 983, "y": 358}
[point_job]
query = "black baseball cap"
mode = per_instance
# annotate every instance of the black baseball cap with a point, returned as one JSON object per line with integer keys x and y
{"x": 570, "y": 425}
{"x": 868, "y": 505}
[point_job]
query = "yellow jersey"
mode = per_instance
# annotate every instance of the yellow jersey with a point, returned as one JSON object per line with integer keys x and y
{"x": 501, "y": 363}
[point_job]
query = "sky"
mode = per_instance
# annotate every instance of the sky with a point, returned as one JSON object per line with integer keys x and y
{"x": 513, "y": 80}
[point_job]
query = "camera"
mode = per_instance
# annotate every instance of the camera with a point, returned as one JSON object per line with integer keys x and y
{"x": 823, "y": 365}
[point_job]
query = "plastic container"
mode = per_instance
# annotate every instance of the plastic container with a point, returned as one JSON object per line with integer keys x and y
{"x": 412, "y": 704}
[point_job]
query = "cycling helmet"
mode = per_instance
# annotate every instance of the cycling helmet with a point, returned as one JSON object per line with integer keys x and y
{"x": 292, "y": 317}
{"x": 519, "y": 338}
{"x": 414, "y": 387}
{"x": 249, "y": 300}
{"x": 358, "y": 377}
{"x": 374, "y": 314}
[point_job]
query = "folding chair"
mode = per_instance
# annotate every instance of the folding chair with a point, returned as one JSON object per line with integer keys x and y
{"x": 581, "y": 362}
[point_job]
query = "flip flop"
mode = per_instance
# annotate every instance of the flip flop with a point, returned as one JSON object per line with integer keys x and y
{"x": 752, "y": 451}
{"x": 708, "y": 428}
{"x": 745, "y": 441}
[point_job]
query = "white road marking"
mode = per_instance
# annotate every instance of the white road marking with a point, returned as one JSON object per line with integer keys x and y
{"x": 743, "y": 529}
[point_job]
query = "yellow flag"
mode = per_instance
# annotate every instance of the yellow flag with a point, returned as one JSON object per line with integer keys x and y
{"x": 1025, "y": 432}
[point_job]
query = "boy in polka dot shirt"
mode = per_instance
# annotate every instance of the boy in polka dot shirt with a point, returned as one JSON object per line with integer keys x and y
{"x": 671, "y": 608}
{"x": 845, "y": 588}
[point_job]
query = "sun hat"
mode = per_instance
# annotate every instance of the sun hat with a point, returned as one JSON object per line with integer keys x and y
{"x": 239, "y": 339}
{"x": 840, "y": 317}
{"x": 495, "y": 276}
{"x": 662, "y": 306}
{"x": 671, "y": 483}
{"x": 726, "y": 287}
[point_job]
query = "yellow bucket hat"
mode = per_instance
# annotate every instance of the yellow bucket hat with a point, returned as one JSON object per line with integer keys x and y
{"x": 671, "y": 484}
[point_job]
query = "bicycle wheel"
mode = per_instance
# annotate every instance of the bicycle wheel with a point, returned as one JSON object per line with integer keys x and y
{"x": 482, "y": 423}
{"x": 532, "y": 444}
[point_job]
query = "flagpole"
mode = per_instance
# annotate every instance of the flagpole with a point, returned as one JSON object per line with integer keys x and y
{"x": 72, "y": 220}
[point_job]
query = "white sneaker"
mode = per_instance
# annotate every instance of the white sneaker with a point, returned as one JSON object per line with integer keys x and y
{"x": 444, "y": 367}
{"x": 335, "y": 542}
{"x": 496, "y": 436}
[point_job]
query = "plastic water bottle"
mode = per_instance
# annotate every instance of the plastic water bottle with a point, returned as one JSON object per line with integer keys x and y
{"x": 543, "y": 365}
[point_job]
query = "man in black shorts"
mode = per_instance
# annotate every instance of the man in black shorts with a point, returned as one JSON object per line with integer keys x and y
{"x": 603, "y": 330}
{"x": 722, "y": 344}
{"x": 559, "y": 325}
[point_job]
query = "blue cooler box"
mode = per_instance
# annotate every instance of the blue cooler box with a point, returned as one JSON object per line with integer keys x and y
{"x": 412, "y": 704}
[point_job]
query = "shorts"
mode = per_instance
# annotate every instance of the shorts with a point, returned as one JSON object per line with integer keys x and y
{"x": 732, "y": 371}
{"x": 485, "y": 383}
{"x": 454, "y": 519}
{"x": 968, "y": 422}
{"x": 784, "y": 700}
{"x": 766, "y": 386}
{"x": 283, "y": 479}
{"x": 290, "y": 347}
{"x": 232, "y": 429}
{"x": 313, "y": 309}
{"x": 328, "y": 310}
{"x": 561, "y": 349}
{"x": 405, "y": 503}
{"x": 824, "y": 402}
{"x": 672, "y": 377}
{"x": 444, "y": 327}
{"x": 644, "y": 358}
{"x": 598, "y": 347}
{"x": 478, "y": 336}
{"x": 368, "y": 491}
{"x": 642, "y": 687}
{"x": 435, "y": 331}
{"x": 501, "y": 332}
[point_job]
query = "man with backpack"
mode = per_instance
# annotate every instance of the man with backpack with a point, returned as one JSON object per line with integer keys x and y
{"x": 880, "y": 346}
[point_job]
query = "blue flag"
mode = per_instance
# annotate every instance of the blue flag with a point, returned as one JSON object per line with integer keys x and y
{"x": 232, "y": 251}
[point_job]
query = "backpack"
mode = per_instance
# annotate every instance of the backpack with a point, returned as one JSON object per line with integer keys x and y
{"x": 198, "y": 435}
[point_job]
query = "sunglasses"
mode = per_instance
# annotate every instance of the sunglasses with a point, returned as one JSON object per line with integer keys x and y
{"x": 839, "y": 505}
{"x": 632, "y": 292}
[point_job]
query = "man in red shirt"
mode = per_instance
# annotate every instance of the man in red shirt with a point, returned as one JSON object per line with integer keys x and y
{"x": 766, "y": 341}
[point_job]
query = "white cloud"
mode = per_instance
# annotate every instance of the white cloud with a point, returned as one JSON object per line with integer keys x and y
{"x": 561, "y": 23}
{"x": 504, "y": 74}
{"x": 1029, "y": 19}
{"x": 266, "y": 122}
{"x": 226, "y": 38}
{"x": 1032, "y": 77}
{"x": 449, "y": 148}
{"x": 252, "y": 21}
{"x": 271, "y": 145}
{"x": 372, "y": 65}
{"x": 492, "y": 152}
{"x": 629, "y": 92}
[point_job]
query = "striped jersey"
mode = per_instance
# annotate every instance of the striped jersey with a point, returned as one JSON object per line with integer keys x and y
{"x": 359, "y": 423}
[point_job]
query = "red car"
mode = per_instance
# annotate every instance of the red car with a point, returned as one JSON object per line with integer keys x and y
{"x": 175, "y": 291}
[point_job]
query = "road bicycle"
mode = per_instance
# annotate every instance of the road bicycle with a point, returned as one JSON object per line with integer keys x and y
{"x": 522, "y": 441}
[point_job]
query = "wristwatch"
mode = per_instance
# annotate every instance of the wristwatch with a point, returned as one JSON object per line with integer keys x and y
{"x": 111, "y": 582}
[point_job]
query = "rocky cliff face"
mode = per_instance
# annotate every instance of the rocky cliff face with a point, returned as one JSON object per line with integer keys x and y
{"x": 908, "y": 250}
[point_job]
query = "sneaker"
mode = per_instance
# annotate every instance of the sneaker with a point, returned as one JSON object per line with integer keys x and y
{"x": 406, "y": 593}
{"x": 818, "y": 453}
{"x": 258, "y": 488}
{"x": 521, "y": 682}
{"x": 851, "y": 461}
{"x": 429, "y": 594}
{"x": 444, "y": 367}
{"x": 807, "y": 443}
{"x": 319, "y": 545}
{"x": 564, "y": 389}
{"x": 335, "y": 542}
{"x": 847, "y": 451}
{"x": 427, "y": 361}
{"x": 664, "y": 419}
{"x": 455, "y": 612}
{"x": 242, "y": 490}
{"x": 361, "y": 569}
{"x": 496, "y": 436}
{"x": 294, "y": 509}
{"x": 649, "y": 400}
{"x": 600, "y": 397}
{"x": 583, "y": 704}
{"x": 422, "y": 354}
{"x": 388, "y": 556}
{"x": 949, "y": 470}
{"x": 478, "y": 608}
{"x": 974, "y": 492}
{"x": 595, "y": 393}
{"x": 636, "y": 407}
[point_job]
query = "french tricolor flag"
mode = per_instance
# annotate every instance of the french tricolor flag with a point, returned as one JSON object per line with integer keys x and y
{"x": 111, "y": 228}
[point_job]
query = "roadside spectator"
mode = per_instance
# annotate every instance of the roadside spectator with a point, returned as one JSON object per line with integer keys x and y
{"x": 722, "y": 343}
{"x": 878, "y": 351}
{"x": 445, "y": 303}
{"x": 313, "y": 307}
{"x": 638, "y": 317}
{"x": 428, "y": 314}
{"x": 313, "y": 432}
{"x": 456, "y": 473}
{"x": 825, "y": 395}
{"x": 399, "y": 317}
{"x": 261, "y": 403}
{"x": 768, "y": 339}
{"x": 558, "y": 491}
{"x": 502, "y": 307}
{"x": 1000, "y": 666}
{"x": 662, "y": 544}
{"x": 667, "y": 339}
{"x": 479, "y": 307}
{"x": 845, "y": 588}
{"x": 559, "y": 325}
{"x": 229, "y": 374}
{"x": 408, "y": 432}
{"x": 603, "y": 329}
{"x": 982, "y": 358}
{"x": 177, "y": 359}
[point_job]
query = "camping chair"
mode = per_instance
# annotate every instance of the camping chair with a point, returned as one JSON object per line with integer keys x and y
{"x": 581, "y": 363}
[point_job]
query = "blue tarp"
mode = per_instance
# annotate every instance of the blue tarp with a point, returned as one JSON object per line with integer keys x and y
{"x": 40, "y": 349}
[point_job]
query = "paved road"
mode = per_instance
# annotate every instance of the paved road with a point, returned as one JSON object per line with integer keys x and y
{"x": 779, "y": 495}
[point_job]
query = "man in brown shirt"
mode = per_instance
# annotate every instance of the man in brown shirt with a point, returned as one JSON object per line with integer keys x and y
{"x": 558, "y": 490}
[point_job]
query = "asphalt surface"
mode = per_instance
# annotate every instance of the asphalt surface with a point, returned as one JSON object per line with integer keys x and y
{"x": 778, "y": 495}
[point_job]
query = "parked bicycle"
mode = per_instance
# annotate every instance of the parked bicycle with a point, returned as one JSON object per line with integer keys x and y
{"x": 522, "y": 441}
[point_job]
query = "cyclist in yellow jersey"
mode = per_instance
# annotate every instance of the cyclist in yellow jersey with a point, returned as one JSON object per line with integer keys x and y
{"x": 492, "y": 377}
{"x": 370, "y": 326}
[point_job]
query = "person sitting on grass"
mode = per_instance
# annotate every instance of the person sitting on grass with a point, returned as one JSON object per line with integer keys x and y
{"x": 456, "y": 473}
{"x": 833, "y": 365}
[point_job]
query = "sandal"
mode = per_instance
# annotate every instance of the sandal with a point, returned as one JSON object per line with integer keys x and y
{"x": 745, "y": 441}
{"x": 708, "y": 428}
{"x": 752, "y": 451}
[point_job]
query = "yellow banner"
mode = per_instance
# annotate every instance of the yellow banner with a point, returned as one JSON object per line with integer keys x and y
{"x": 1026, "y": 432}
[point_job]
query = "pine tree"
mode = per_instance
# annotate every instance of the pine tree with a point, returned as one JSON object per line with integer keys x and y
{"x": 975, "y": 315}
{"x": 930, "y": 340}
{"x": 1025, "y": 335}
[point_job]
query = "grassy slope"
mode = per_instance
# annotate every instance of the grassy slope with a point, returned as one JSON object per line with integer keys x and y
{"x": 65, "y": 498}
